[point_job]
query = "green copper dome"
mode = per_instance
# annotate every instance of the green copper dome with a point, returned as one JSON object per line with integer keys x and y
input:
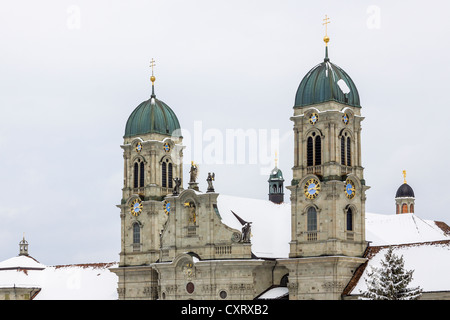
{"x": 152, "y": 116}
{"x": 327, "y": 82}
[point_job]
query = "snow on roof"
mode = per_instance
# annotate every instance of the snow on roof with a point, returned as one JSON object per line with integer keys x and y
{"x": 271, "y": 226}
{"x": 71, "y": 282}
{"x": 430, "y": 262}
{"x": 21, "y": 262}
{"x": 274, "y": 293}
{"x": 271, "y": 223}
{"x": 384, "y": 229}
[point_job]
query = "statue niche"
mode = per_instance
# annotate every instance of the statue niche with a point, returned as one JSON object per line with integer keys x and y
{"x": 191, "y": 216}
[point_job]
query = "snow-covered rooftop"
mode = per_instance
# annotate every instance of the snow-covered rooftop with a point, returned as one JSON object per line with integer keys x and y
{"x": 430, "y": 262}
{"x": 271, "y": 226}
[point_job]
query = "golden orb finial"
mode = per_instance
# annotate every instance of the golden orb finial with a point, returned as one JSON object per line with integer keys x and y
{"x": 152, "y": 64}
{"x": 326, "y": 21}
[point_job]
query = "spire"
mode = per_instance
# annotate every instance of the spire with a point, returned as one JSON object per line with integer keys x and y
{"x": 404, "y": 176}
{"x": 152, "y": 78}
{"x": 326, "y": 39}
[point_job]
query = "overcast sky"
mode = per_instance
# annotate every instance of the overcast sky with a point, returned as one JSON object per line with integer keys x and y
{"x": 71, "y": 72}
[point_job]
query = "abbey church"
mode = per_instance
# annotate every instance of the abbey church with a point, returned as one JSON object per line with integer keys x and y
{"x": 315, "y": 242}
{"x": 178, "y": 242}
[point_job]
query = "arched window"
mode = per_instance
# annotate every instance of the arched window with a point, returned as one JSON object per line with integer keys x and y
{"x": 404, "y": 208}
{"x": 349, "y": 220}
{"x": 343, "y": 151}
{"x": 318, "y": 151}
{"x": 136, "y": 233}
{"x": 141, "y": 175}
{"x": 349, "y": 154}
{"x": 411, "y": 208}
{"x": 309, "y": 152}
{"x": 314, "y": 150}
{"x": 170, "y": 176}
{"x": 164, "y": 174}
{"x": 312, "y": 219}
{"x": 398, "y": 208}
{"x": 136, "y": 175}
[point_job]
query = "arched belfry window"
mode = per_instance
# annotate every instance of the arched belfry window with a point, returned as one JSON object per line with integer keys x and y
{"x": 139, "y": 174}
{"x": 170, "y": 175}
{"x": 166, "y": 173}
{"x": 314, "y": 150}
{"x": 346, "y": 151}
{"x": 318, "y": 151}
{"x": 349, "y": 153}
{"x": 309, "y": 152}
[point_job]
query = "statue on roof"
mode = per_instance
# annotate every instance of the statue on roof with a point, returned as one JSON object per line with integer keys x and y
{"x": 210, "y": 179}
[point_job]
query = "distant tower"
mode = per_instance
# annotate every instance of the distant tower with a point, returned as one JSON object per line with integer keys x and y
{"x": 23, "y": 247}
{"x": 404, "y": 198}
{"x": 276, "y": 188}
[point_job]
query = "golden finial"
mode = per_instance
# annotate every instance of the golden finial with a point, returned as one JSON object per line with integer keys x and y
{"x": 152, "y": 78}
{"x": 404, "y": 176}
{"x": 326, "y": 21}
{"x": 276, "y": 158}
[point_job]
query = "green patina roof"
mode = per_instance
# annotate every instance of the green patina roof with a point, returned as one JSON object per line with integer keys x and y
{"x": 152, "y": 116}
{"x": 276, "y": 174}
{"x": 327, "y": 82}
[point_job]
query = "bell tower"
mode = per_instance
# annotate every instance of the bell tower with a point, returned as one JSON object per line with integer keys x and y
{"x": 153, "y": 166}
{"x": 328, "y": 187}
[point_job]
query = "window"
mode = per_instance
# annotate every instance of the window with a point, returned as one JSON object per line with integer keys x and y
{"x": 141, "y": 175}
{"x": 346, "y": 151}
{"x": 349, "y": 154}
{"x": 164, "y": 174}
{"x": 318, "y": 151}
{"x": 312, "y": 219}
{"x": 170, "y": 176}
{"x": 138, "y": 177}
{"x": 136, "y": 233}
{"x": 309, "y": 152}
{"x": 411, "y": 208}
{"x": 404, "y": 208}
{"x": 314, "y": 150}
{"x": 349, "y": 219}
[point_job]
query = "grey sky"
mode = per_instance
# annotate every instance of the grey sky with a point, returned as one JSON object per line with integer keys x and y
{"x": 71, "y": 72}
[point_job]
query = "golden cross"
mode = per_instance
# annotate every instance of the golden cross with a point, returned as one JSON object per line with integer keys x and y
{"x": 325, "y": 23}
{"x": 276, "y": 158}
{"x": 152, "y": 64}
{"x": 404, "y": 176}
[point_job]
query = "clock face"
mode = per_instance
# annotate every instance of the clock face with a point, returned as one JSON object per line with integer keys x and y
{"x": 136, "y": 207}
{"x": 312, "y": 188}
{"x": 349, "y": 189}
{"x": 345, "y": 118}
{"x": 166, "y": 207}
{"x": 138, "y": 147}
{"x": 313, "y": 118}
{"x": 166, "y": 147}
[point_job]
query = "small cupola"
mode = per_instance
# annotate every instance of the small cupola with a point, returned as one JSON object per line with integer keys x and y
{"x": 23, "y": 247}
{"x": 404, "y": 198}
